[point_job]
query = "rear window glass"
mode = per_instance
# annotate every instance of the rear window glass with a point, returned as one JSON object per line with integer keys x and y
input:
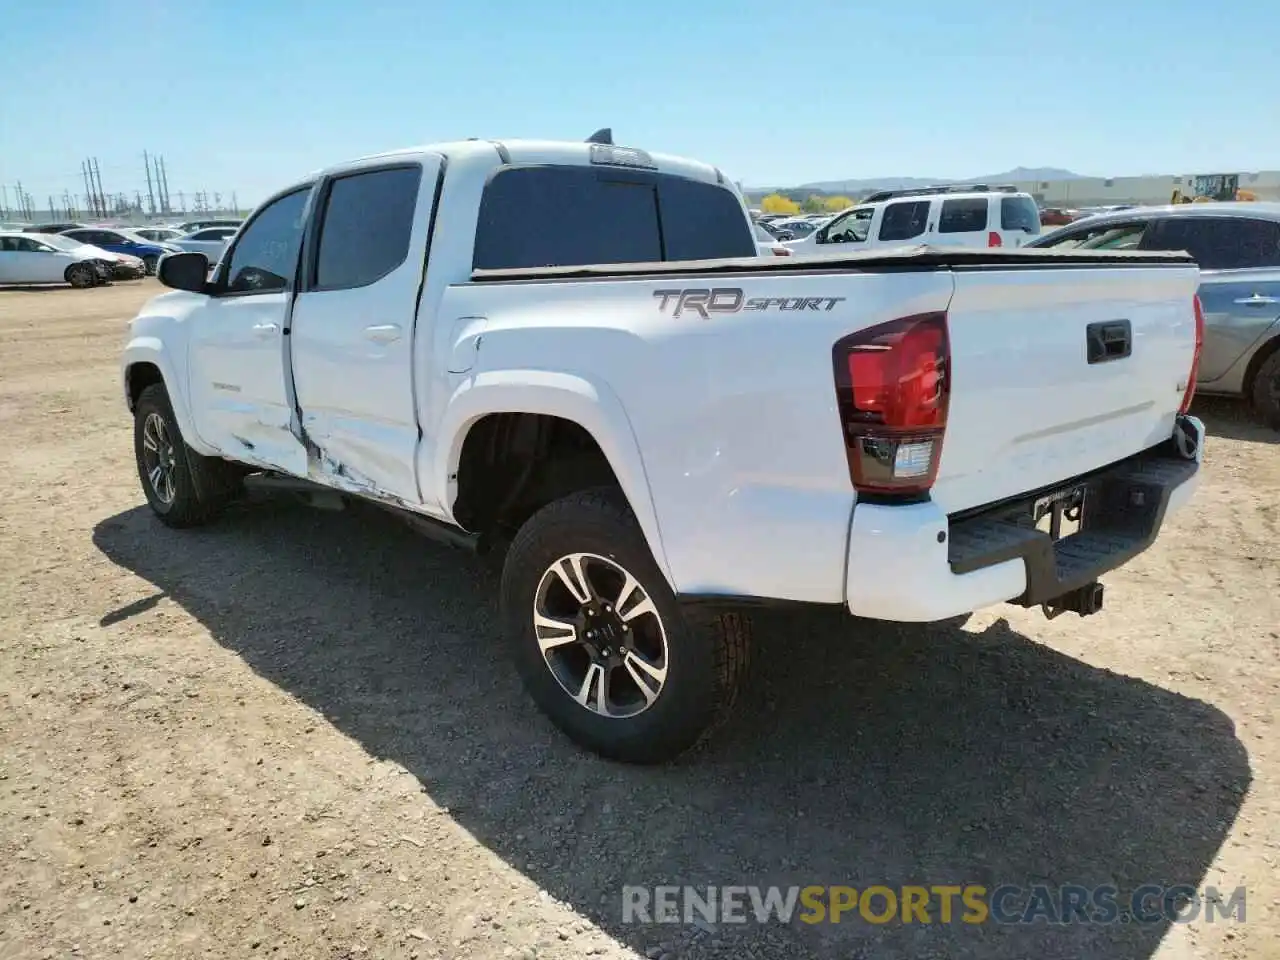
{"x": 1019, "y": 213}
{"x": 1222, "y": 243}
{"x": 572, "y": 216}
{"x": 905, "y": 220}
{"x": 701, "y": 221}
{"x": 963, "y": 216}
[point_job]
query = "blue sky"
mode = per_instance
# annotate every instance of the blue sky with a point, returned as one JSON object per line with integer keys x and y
{"x": 246, "y": 95}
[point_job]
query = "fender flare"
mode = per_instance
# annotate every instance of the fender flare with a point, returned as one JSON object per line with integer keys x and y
{"x": 151, "y": 350}
{"x": 591, "y": 404}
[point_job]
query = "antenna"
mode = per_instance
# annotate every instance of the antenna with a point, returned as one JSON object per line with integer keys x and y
{"x": 603, "y": 135}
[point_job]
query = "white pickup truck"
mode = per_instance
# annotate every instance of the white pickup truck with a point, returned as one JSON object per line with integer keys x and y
{"x": 538, "y": 350}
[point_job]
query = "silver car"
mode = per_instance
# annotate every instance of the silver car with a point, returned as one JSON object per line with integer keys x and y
{"x": 1238, "y": 248}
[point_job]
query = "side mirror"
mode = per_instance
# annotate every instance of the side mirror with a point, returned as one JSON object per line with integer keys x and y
{"x": 184, "y": 271}
{"x": 820, "y": 236}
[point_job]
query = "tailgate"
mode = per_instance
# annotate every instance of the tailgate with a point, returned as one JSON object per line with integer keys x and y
{"x": 1032, "y": 402}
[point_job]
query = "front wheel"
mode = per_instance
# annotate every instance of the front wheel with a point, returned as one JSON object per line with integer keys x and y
{"x": 600, "y": 642}
{"x": 1266, "y": 390}
{"x": 150, "y": 264}
{"x": 183, "y": 488}
{"x": 81, "y": 275}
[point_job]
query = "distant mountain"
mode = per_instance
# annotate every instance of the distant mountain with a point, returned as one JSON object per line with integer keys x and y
{"x": 899, "y": 183}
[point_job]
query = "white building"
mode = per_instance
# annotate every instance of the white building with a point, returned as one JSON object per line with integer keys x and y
{"x": 1099, "y": 191}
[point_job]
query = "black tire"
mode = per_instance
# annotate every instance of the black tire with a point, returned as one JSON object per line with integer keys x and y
{"x": 150, "y": 263}
{"x": 705, "y": 657}
{"x": 81, "y": 276}
{"x": 200, "y": 486}
{"x": 1265, "y": 390}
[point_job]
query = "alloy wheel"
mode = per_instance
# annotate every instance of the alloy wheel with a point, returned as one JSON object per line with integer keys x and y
{"x": 600, "y": 635}
{"x": 159, "y": 458}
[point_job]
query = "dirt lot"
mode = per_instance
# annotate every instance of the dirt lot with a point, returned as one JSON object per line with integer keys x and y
{"x": 289, "y": 735}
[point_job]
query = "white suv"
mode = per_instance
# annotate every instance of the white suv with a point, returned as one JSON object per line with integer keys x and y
{"x": 939, "y": 216}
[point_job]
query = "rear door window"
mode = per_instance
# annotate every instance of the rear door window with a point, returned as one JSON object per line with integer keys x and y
{"x": 1220, "y": 243}
{"x": 904, "y": 220}
{"x": 573, "y": 216}
{"x": 1019, "y": 213}
{"x": 366, "y": 228}
{"x": 967, "y": 215}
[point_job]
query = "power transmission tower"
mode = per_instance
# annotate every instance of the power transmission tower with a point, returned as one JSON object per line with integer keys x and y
{"x": 182, "y": 201}
{"x": 151, "y": 196}
{"x": 88, "y": 192}
{"x": 217, "y": 202}
{"x": 235, "y": 204}
{"x": 4, "y": 200}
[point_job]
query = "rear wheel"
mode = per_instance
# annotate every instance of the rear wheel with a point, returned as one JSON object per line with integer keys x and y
{"x": 151, "y": 263}
{"x": 183, "y": 488}
{"x": 1266, "y": 390}
{"x": 81, "y": 275}
{"x": 600, "y": 641}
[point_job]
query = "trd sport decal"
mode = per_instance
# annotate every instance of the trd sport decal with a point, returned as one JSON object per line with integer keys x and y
{"x": 705, "y": 301}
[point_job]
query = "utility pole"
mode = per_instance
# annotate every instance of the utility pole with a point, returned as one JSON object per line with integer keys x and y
{"x": 4, "y": 200}
{"x": 182, "y": 201}
{"x": 235, "y": 204}
{"x": 217, "y": 202}
{"x": 164, "y": 184}
{"x": 146, "y": 163}
{"x": 22, "y": 203}
{"x": 102, "y": 196}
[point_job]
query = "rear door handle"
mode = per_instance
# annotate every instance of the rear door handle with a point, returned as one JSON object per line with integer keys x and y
{"x": 1258, "y": 300}
{"x": 265, "y": 329}
{"x": 383, "y": 333}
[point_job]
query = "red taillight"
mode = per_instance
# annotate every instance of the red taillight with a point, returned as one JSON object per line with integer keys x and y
{"x": 1190, "y": 393}
{"x": 993, "y": 239}
{"x": 892, "y": 385}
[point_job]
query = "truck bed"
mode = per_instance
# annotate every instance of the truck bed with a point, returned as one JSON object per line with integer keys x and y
{"x": 918, "y": 257}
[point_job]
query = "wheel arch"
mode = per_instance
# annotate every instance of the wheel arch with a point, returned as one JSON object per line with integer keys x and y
{"x": 586, "y": 404}
{"x": 1260, "y": 356}
{"x": 146, "y": 362}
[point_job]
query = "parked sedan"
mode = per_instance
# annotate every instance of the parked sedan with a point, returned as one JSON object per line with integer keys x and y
{"x": 191, "y": 226}
{"x": 210, "y": 242}
{"x": 1238, "y": 248}
{"x": 159, "y": 234}
{"x": 798, "y": 227}
{"x": 122, "y": 240}
{"x": 118, "y": 266}
{"x": 767, "y": 245}
{"x": 28, "y": 258}
{"x": 1055, "y": 217}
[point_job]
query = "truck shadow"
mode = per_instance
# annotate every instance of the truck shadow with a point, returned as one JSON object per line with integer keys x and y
{"x": 866, "y": 753}
{"x": 1232, "y": 418}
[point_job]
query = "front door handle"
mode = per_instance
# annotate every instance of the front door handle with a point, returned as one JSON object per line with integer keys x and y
{"x": 1258, "y": 300}
{"x": 265, "y": 329}
{"x": 383, "y": 333}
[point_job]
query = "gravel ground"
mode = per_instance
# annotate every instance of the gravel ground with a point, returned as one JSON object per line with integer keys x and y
{"x": 291, "y": 734}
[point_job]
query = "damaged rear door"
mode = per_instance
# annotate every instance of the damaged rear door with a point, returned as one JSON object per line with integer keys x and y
{"x": 352, "y": 326}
